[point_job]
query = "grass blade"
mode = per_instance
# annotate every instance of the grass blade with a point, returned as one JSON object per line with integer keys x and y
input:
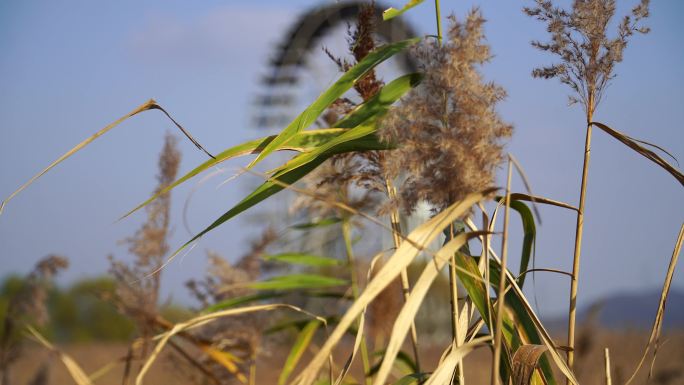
{"x": 500, "y": 294}
{"x": 297, "y": 281}
{"x": 378, "y": 105}
{"x": 303, "y": 259}
{"x": 149, "y": 105}
{"x": 268, "y": 188}
{"x": 443, "y": 373}
{"x": 358, "y": 340}
{"x": 303, "y": 141}
{"x": 360, "y": 138}
{"x": 79, "y": 376}
{"x": 342, "y": 85}
{"x": 412, "y": 304}
{"x": 525, "y": 361}
{"x": 391, "y": 13}
{"x": 529, "y": 237}
{"x": 416, "y": 242}
{"x": 412, "y": 379}
{"x": 347, "y": 136}
{"x": 648, "y": 154}
{"x": 542, "y": 200}
{"x": 233, "y": 302}
{"x": 530, "y": 318}
{"x": 287, "y": 178}
{"x": 657, "y": 323}
{"x": 322, "y": 223}
{"x": 525, "y": 327}
{"x": 298, "y": 348}
{"x": 298, "y": 324}
{"x": 401, "y": 358}
{"x": 471, "y": 277}
{"x": 203, "y": 320}
{"x": 225, "y": 359}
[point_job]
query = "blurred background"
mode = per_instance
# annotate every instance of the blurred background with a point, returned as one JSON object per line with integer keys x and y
{"x": 69, "y": 68}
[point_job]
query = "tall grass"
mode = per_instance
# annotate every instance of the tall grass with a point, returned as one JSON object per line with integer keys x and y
{"x": 588, "y": 57}
{"x": 431, "y": 139}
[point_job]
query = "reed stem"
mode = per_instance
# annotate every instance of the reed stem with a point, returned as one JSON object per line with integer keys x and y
{"x": 456, "y": 332}
{"x": 439, "y": 22}
{"x": 606, "y": 362}
{"x": 405, "y": 285}
{"x": 578, "y": 238}
{"x": 502, "y": 282}
{"x": 346, "y": 233}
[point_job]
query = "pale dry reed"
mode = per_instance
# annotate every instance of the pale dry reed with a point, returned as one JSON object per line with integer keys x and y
{"x": 240, "y": 335}
{"x": 579, "y": 37}
{"x": 448, "y": 130}
{"x": 138, "y": 284}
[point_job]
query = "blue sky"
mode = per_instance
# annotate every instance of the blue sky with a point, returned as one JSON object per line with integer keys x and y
{"x": 69, "y": 68}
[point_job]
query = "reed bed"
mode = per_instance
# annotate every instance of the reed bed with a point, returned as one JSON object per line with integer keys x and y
{"x": 369, "y": 157}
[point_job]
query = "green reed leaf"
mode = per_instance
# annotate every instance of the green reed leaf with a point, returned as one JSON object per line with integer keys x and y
{"x": 322, "y": 223}
{"x": 380, "y": 103}
{"x": 303, "y": 259}
{"x": 298, "y": 348}
{"x": 297, "y": 281}
{"x": 342, "y": 85}
{"x": 391, "y": 12}
{"x": 302, "y": 141}
{"x": 234, "y": 302}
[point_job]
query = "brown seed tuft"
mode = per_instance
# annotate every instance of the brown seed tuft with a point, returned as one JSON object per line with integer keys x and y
{"x": 579, "y": 37}
{"x": 447, "y": 129}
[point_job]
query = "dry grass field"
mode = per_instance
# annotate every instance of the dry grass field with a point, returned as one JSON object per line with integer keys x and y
{"x": 625, "y": 347}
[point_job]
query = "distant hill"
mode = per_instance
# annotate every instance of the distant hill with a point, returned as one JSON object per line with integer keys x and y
{"x": 635, "y": 310}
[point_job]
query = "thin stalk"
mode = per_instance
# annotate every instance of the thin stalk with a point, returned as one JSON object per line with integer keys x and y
{"x": 405, "y": 285}
{"x": 485, "y": 255}
{"x": 654, "y": 338}
{"x": 578, "y": 237}
{"x": 606, "y": 362}
{"x": 502, "y": 283}
{"x": 252, "y": 373}
{"x": 456, "y": 332}
{"x": 454, "y": 298}
{"x": 439, "y": 22}
{"x": 346, "y": 234}
{"x": 127, "y": 366}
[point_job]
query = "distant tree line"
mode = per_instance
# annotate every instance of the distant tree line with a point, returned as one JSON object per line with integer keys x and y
{"x": 82, "y": 311}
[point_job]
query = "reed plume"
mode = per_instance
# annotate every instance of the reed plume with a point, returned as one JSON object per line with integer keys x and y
{"x": 138, "y": 284}
{"x": 448, "y": 132}
{"x": 579, "y": 37}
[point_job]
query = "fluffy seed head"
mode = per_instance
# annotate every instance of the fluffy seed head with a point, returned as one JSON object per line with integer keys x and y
{"x": 579, "y": 37}
{"x": 448, "y": 132}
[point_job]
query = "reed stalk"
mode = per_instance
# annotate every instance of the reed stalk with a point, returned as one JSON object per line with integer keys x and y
{"x": 456, "y": 332}
{"x": 502, "y": 282}
{"x": 606, "y": 362}
{"x": 439, "y": 22}
{"x": 574, "y": 280}
{"x": 405, "y": 285}
{"x": 346, "y": 234}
